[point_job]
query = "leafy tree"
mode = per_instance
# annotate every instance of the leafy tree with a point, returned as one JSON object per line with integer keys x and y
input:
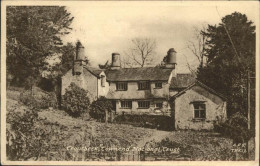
{"x": 230, "y": 51}
{"x": 33, "y": 34}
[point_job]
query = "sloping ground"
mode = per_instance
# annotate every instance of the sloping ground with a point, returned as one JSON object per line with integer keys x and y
{"x": 123, "y": 135}
{"x": 67, "y": 131}
{"x": 208, "y": 145}
{"x": 194, "y": 144}
{"x": 62, "y": 131}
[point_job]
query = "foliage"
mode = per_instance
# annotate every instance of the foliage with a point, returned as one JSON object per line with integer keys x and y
{"x": 207, "y": 147}
{"x": 38, "y": 98}
{"x": 75, "y": 100}
{"x": 33, "y": 35}
{"x": 235, "y": 128}
{"x": 98, "y": 108}
{"x": 23, "y": 140}
{"x": 230, "y": 51}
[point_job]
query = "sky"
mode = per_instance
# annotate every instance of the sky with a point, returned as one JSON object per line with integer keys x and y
{"x": 107, "y": 27}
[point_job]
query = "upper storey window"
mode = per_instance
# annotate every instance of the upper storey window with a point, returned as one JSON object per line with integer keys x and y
{"x": 145, "y": 85}
{"x": 103, "y": 81}
{"x": 122, "y": 86}
{"x": 158, "y": 85}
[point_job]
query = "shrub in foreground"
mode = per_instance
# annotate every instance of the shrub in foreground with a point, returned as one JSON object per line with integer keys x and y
{"x": 75, "y": 100}
{"x": 234, "y": 128}
{"x": 99, "y": 107}
{"x": 23, "y": 139}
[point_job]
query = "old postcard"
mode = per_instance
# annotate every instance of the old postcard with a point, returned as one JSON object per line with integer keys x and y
{"x": 129, "y": 83}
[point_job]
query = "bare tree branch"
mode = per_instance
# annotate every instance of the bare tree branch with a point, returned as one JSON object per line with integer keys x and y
{"x": 141, "y": 52}
{"x": 197, "y": 45}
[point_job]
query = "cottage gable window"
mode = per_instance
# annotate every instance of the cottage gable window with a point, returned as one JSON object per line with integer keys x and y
{"x": 126, "y": 104}
{"x": 199, "y": 110}
{"x": 103, "y": 80}
{"x": 122, "y": 86}
{"x": 143, "y": 104}
{"x": 158, "y": 85}
{"x": 145, "y": 85}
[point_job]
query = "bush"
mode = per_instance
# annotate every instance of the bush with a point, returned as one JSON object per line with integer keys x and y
{"x": 38, "y": 98}
{"x": 234, "y": 128}
{"x": 75, "y": 100}
{"x": 23, "y": 140}
{"x": 98, "y": 108}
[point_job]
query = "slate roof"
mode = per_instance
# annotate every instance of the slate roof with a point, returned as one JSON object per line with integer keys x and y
{"x": 92, "y": 70}
{"x": 139, "y": 74}
{"x": 182, "y": 81}
{"x": 196, "y": 82}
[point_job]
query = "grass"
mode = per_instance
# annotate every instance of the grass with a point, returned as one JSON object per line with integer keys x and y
{"x": 78, "y": 132}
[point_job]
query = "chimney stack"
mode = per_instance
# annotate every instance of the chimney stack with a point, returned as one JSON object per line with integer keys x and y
{"x": 171, "y": 59}
{"x": 116, "y": 62}
{"x": 79, "y": 60}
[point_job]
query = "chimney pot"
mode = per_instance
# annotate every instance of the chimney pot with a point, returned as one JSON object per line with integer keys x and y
{"x": 116, "y": 64}
{"x": 171, "y": 58}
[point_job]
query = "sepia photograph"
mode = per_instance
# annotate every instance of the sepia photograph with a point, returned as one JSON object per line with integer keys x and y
{"x": 129, "y": 82}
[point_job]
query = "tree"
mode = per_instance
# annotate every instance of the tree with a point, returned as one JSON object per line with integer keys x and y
{"x": 230, "y": 52}
{"x": 197, "y": 47}
{"x": 33, "y": 34}
{"x": 140, "y": 53}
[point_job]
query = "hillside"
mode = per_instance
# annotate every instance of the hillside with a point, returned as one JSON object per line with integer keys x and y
{"x": 63, "y": 131}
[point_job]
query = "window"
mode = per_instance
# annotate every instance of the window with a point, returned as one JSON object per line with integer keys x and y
{"x": 199, "y": 110}
{"x": 126, "y": 104}
{"x": 158, "y": 105}
{"x": 143, "y": 85}
{"x": 121, "y": 86}
{"x": 143, "y": 104}
{"x": 158, "y": 85}
{"x": 103, "y": 81}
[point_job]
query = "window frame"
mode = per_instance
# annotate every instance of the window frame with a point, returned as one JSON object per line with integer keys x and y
{"x": 103, "y": 82}
{"x": 201, "y": 107}
{"x": 144, "y": 103}
{"x": 127, "y": 102}
{"x": 118, "y": 84}
{"x": 158, "y": 87}
{"x": 143, "y": 85}
{"x": 159, "y": 103}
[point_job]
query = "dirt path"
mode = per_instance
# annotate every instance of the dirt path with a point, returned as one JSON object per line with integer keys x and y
{"x": 157, "y": 136}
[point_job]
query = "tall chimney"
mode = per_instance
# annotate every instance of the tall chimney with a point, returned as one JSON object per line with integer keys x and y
{"x": 116, "y": 63}
{"x": 79, "y": 59}
{"x": 171, "y": 59}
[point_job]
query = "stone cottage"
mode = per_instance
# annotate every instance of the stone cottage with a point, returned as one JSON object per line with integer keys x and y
{"x": 150, "y": 90}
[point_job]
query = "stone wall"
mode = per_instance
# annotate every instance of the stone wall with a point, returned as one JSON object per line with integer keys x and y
{"x": 184, "y": 110}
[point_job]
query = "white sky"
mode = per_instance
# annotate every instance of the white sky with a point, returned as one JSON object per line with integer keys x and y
{"x": 106, "y": 27}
